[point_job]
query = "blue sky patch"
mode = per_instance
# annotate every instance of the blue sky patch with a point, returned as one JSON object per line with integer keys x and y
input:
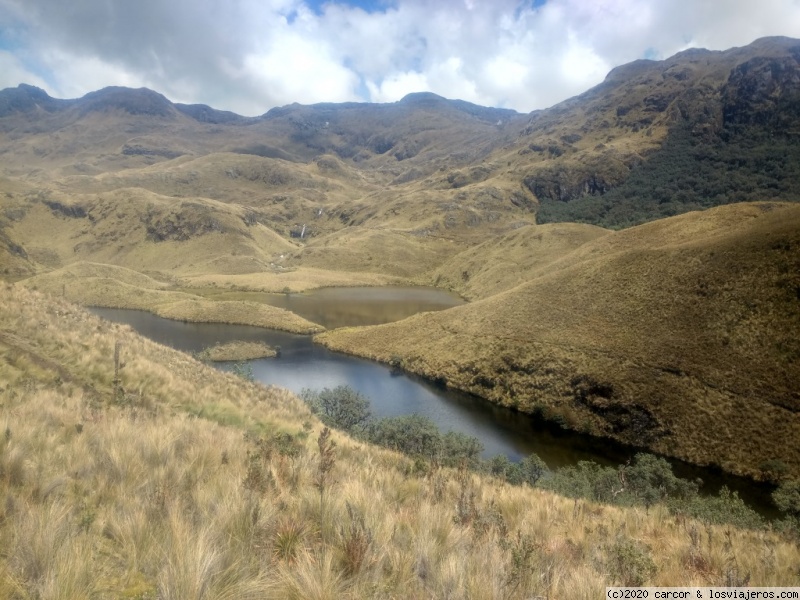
{"x": 370, "y": 6}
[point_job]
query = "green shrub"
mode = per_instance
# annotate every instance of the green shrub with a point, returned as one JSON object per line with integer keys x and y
{"x": 724, "y": 508}
{"x": 650, "y": 479}
{"x": 341, "y": 407}
{"x": 585, "y": 480}
{"x": 529, "y": 470}
{"x": 499, "y": 466}
{"x": 414, "y": 435}
{"x": 787, "y": 498}
{"x": 460, "y": 449}
{"x": 630, "y": 563}
{"x": 244, "y": 370}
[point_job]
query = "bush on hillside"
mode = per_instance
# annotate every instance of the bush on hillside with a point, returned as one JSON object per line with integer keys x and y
{"x": 787, "y": 498}
{"x": 413, "y": 435}
{"x": 341, "y": 407}
{"x": 460, "y": 449}
{"x": 529, "y": 470}
{"x": 645, "y": 480}
{"x": 724, "y": 508}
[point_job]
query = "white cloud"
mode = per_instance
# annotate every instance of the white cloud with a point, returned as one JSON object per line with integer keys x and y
{"x": 75, "y": 76}
{"x": 396, "y": 86}
{"x": 250, "y": 55}
{"x": 13, "y": 72}
{"x": 298, "y": 69}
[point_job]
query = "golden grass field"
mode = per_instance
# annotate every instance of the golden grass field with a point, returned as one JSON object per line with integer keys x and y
{"x": 93, "y": 284}
{"x": 679, "y": 335}
{"x": 177, "y": 481}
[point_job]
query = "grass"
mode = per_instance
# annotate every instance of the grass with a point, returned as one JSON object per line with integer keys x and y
{"x": 680, "y": 335}
{"x": 144, "y": 499}
{"x": 237, "y": 351}
{"x": 94, "y": 284}
{"x": 677, "y": 335}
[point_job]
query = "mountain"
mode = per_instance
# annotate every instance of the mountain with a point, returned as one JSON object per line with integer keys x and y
{"x": 123, "y": 197}
{"x": 616, "y": 155}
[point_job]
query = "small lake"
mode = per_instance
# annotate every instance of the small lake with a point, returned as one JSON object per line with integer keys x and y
{"x": 351, "y": 306}
{"x": 303, "y": 364}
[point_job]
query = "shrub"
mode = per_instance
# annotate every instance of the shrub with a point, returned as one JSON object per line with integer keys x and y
{"x": 414, "y": 435}
{"x": 243, "y": 370}
{"x": 651, "y": 480}
{"x": 630, "y": 563}
{"x": 585, "y": 480}
{"x": 458, "y": 448}
{"x": 726, "y": 507}
{"x": 530, "y": 470}
{"x": 787, "y": 498}
{"x": 341, "y": 407}
{"x": 499, "y": 465}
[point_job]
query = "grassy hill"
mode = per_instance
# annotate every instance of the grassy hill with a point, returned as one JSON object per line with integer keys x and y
{"x": 656, "y": 138}
{"x": 174, "y": 480}
{"x": 663, "y": 335}
{"x": 507, "y": 261}
{"x": 679, "y": 335}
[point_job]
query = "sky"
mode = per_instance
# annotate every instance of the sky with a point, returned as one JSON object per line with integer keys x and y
{"x": 248, "y": 56}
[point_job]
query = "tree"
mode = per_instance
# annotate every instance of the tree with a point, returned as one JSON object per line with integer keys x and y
{"x": 529, "y": 470}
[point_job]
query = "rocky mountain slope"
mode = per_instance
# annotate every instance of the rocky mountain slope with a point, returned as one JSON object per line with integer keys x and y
{"x": 610, "y": 156}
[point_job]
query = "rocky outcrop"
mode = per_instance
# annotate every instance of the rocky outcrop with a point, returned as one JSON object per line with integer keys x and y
{"x": 764, "y": 92}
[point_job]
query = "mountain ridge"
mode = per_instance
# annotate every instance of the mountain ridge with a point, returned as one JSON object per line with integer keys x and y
{"x": 564, "y": 159}
{"x": 518, "y": 213}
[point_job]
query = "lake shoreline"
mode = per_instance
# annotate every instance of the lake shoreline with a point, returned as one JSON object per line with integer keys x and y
{"x": 513, "y": 425}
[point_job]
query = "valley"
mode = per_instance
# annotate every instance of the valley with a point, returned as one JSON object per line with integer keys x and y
{"x": 617, "y": 273}
{"x": 630, "y": 256}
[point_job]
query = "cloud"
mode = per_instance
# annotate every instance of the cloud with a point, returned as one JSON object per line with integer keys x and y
{"x": 251, "y": 55}
{"x": 14, "y": 72}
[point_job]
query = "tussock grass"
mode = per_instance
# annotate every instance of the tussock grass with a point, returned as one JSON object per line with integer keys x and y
{"x": 134, "y": 496}
{"x": 94, "y": 284}
{"x": 679, "y": 335}
{"x": 510, "y": 260}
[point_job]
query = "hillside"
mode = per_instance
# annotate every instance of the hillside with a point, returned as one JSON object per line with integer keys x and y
{"x": 124, "y": 198}
{"x": 656, "y": 138}
{"x": 179, "y": 481}
{"x": 679, "y": 335}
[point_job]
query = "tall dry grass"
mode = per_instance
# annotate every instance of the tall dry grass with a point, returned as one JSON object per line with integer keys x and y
{"x": 139, "y": 497}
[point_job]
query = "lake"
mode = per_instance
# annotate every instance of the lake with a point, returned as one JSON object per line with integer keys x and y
{"x": 350, "y": 306}
{"x": 304, "y": 364}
